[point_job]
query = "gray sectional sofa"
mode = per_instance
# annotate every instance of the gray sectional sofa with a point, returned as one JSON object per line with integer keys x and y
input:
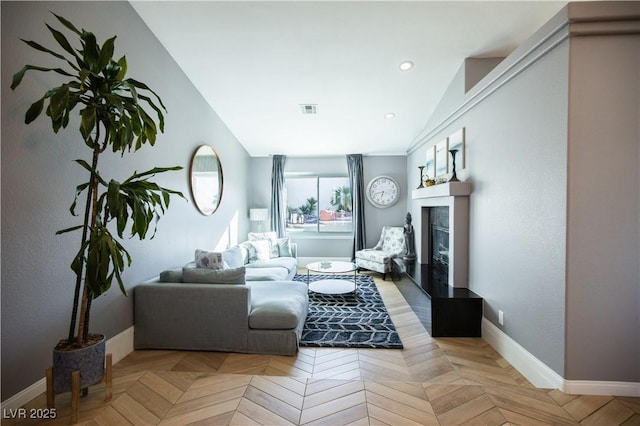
{"x": 252, "y": 308}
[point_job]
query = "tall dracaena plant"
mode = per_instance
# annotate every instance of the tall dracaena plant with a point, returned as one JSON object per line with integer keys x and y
{"x": 111, "y": 117}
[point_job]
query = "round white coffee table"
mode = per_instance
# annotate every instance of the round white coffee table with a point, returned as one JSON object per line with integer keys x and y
{"x": 333, "y": 286}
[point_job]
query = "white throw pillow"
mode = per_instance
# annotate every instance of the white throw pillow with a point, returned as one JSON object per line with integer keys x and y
{"x": 269, "y": 236}
{"x": 262, "y": 250}
{"x": 284, "y": 247}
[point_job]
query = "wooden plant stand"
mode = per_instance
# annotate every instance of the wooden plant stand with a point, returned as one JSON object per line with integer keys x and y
{"x": 75, "y": 388}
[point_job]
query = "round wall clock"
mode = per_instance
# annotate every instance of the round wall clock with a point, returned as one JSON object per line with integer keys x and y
{"x": 383, "y": 191}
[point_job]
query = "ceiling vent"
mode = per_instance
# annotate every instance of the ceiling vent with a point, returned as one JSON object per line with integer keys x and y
{"x": 308, "y": 109}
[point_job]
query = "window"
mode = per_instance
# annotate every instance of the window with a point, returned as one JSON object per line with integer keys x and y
{"x": 317, "y": 204}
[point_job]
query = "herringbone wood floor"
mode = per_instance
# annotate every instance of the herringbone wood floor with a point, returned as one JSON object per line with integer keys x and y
{"x": 430, "y": 381}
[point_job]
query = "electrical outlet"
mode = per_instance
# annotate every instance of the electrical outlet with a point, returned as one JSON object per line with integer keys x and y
{"x": 500, "y": 317}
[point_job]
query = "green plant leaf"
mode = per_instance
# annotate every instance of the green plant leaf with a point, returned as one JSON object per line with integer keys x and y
{"x": 90, "y": 50}
{"x": 87, "y": 167}
{"x": 158, "y": 111}
{"x": 34, "y": 111}
{"x": 73, "y": 228}
{"x": 106, "y": 53}
{"x": 79, "y": 190}
{"x": 123, "y": 68}
{"x": 17, "y": 77}
{"x": 140, "y": 85}
{"x": 58, "y": 101}
{"x": 62, "y": 40}
{"x": 67, "y": 23}
{"x": 88, "y": 123}
{"x": 41, "y": 48}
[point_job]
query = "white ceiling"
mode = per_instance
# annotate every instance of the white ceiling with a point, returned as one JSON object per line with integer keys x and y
{"x": 256, "y": 62}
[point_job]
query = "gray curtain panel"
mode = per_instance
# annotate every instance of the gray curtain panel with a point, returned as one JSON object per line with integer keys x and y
{"x": 278, "y": 209}
{"x": 356, "y": 180}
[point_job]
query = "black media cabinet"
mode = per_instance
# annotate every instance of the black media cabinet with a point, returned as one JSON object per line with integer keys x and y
{"x": 443, "y": 310}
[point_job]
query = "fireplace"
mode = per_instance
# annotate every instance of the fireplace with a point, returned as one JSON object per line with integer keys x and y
{"x": 438, "y": 250}
{"x": 442, "y": 242}
{"x": 440, "y": 271}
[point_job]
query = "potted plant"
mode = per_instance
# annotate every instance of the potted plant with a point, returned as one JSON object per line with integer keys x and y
{"x": 112, "y": 117}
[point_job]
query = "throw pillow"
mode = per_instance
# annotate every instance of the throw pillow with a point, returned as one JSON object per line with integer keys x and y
{"x": 233, "y": 257}
{"x": 269, "y": 236}
{"x": 284, "y": 247}
{"x": 209, "y": 260}
{"x": 171, "y": 276}
{"x": 248, "y": 251}
{"x": 262, "y": 250}
{"x": 212, "y": 276}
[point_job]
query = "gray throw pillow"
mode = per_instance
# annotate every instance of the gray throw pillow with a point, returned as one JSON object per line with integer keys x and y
{"x": 213, "y": 276}
{"x": 171, "y": 276}
{"x": 209, "y": 260}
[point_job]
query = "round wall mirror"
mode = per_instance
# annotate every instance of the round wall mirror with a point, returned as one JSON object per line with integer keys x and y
{"x": 206, "y": 179}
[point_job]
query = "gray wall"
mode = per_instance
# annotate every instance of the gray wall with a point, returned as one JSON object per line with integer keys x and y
{"x": 39, "y": 179}
{"x": 554, "y": 230}
{"x": 603, "y": 240}
{"x": 517, "y": 211}
{"x": 394, "y": 166}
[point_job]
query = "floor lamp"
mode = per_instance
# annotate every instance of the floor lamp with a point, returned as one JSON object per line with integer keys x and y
{"x": 258, "y": 215}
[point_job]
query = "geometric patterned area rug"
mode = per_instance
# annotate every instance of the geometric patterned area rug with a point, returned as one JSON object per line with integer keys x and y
{"x": 347, "y": 320}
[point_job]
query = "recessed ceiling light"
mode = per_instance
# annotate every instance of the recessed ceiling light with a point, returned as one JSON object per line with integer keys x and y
{"x": 389, "y": 115}
{"x": 406, "y": 66}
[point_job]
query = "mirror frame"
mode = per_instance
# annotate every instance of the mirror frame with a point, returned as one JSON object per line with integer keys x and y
{"x": 200, "y": 205}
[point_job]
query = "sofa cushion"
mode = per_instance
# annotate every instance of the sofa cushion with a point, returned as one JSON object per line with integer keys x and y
{"x": 289, "y": 263}
{"x": 171, "y": 276}
{"x": 277, "y": 305}
{"x": 233, "y": 257}
{"x": 379, "y": 256}
{"x": 213, "y": 276}
{"x": 265, "y": 274}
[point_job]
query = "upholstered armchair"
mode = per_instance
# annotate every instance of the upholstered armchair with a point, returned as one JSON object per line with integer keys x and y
{"x": 380, "y": 257}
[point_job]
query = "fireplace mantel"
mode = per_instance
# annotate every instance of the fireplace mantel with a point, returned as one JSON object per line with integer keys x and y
{"x": 455, "y": 196}
{"x": 448, "y": 189}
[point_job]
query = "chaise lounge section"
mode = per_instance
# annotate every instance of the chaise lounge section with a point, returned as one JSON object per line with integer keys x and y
{"x": 263, "y": 317}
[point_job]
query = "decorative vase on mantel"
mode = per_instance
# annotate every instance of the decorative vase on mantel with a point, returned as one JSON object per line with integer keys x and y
{"x": 421, "y": 177}
{"x": 453, "y": 177}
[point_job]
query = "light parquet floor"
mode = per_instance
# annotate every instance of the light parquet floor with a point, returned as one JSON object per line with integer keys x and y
{"x": 429, "y": 382}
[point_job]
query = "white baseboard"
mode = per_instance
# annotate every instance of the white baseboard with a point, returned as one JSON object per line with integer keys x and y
{"x": 118, "y": 346}
{"x": 541, "y": 376}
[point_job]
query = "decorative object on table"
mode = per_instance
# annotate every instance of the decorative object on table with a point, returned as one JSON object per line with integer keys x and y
{"x": 457, "y": 141}
{"x": 421, "y": 177}
{"x": 454, "y": 177}
{"x": 409, "y": 239}
{"x": 441, "y": 158}
{"x": 430, "y": 161}
{"x": 112, "y": 118}
{"x": 348, "y": 320}
{"x": 206, "y": 179}
{"x": 383, "y": 191}
{"x": 260, "y": 216}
